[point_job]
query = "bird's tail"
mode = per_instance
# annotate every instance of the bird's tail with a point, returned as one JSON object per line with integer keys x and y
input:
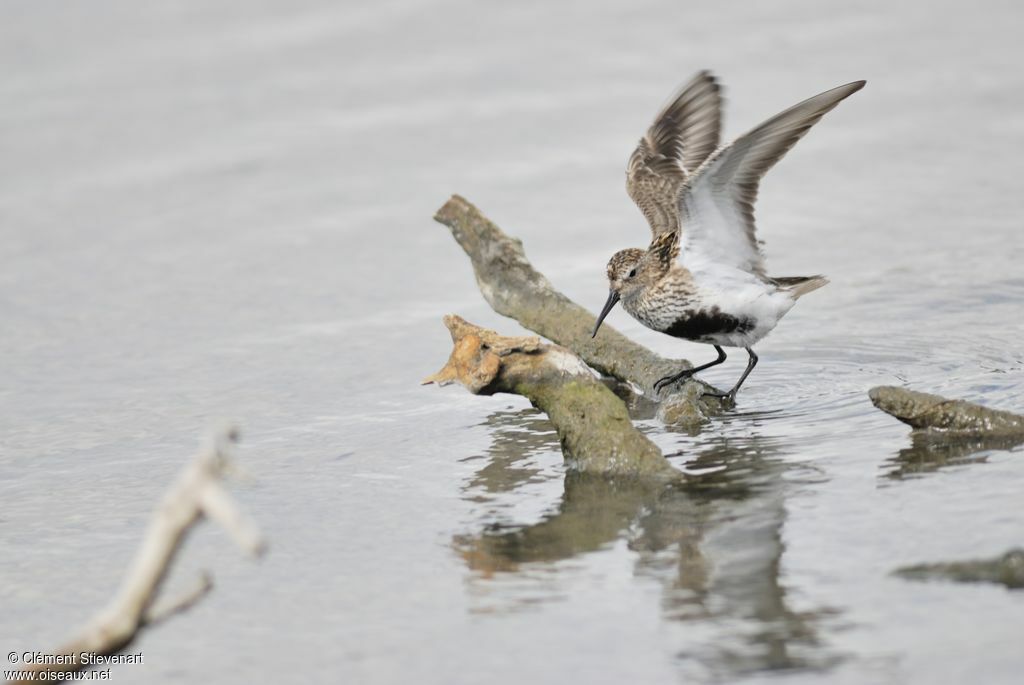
{"x": 798, "y": 286}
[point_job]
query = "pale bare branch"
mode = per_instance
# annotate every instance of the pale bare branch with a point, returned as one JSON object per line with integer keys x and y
{"x": 196, "y": 493}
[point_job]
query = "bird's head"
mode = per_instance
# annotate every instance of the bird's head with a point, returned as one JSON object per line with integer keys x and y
{"x": 627, "y": 276}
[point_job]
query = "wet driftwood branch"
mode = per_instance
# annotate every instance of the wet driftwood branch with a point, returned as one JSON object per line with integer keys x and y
{"x": 593, "y": 426}
{"x": 196, "y": 494}
{"x": 924, "y": 411}
{"x": 515, "y": 289}
{"x": 1007, "y": 570}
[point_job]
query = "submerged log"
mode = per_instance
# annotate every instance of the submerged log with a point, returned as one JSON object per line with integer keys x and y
{"x": 515, "y": 289}
{"x": 197, "y": 494}
{"x": 925, "y": 411}
{"x": 593, "y": 426}
{"x": 1007, "y": 570}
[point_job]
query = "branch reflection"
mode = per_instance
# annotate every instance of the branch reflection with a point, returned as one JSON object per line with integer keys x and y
{"x": 714, "y": 544}
{"x": 930, "y": 452}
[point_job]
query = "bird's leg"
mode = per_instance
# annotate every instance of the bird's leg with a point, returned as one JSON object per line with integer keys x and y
{"x": 731, "y": 395}
{"x": 686, "y": 373}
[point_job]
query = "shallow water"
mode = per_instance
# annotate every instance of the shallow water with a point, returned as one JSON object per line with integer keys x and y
{"x": 223, "y": 210}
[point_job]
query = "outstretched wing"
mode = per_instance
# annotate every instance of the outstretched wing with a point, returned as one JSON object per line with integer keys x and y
{"x": 684, "y": 133}
{"x": 717, "y": 203}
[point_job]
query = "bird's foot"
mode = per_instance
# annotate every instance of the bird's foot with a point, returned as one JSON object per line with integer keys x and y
{"x": 662, "y": 383}
{"x": 726, "y": 397}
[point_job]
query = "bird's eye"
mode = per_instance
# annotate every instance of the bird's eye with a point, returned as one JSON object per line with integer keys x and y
{"x": 632, "y": 272}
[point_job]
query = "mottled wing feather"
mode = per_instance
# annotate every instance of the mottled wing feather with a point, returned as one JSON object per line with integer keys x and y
{"x": 683, "y": 134}
{"x": 717, "y": 202}
{"x": 665, "y": 247}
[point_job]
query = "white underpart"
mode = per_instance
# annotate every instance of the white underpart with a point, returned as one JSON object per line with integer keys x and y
{"x": 709, "y": 289}
{"x": 742, "y": 295}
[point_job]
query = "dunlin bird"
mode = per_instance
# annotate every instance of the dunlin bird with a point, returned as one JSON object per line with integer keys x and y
{"x": 703, "y": 278}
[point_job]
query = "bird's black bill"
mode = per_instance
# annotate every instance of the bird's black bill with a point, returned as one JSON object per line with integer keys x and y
{"x": 613, "y": 297}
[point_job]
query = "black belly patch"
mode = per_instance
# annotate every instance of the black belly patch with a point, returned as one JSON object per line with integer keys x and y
{"x": 699, "y": 324}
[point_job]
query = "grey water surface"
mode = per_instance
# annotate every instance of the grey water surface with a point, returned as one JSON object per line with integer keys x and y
{"x": 223, "y": 210}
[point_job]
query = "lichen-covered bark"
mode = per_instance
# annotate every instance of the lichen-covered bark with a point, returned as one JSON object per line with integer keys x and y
{"x": 515, "y": 289}
{"x": 1007, "y": 570}
{"x": 922, "y": 410}
{"x": 593, "y": 425}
